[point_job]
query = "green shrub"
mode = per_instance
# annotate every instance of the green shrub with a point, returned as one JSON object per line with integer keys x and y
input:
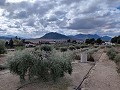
{"x": 117, "y": 58}
{"x": 108, "y": 46}
{"x": 46, "y": 48}
{"x": 71, "y": 48}
{"x": 36, "y": 48}
{"x": 20, "y": 47}
{"x": 111, "y": 53}
{"x": 63, "y": 49}
{"x": 84, "y": 46}
{"x": 20, "y": 63}
{"x": 91, "y": 51}
{"x": 35, "y": 63}
{"x": 102, "y": 46}
{"x": 77, "y": 57}
{"x": 2, "y": 47}
{"x": 57, "y": 48}
{"x": 96, "y": 46}
{"x": 60, "y": 65}
{"x": 2, "y": 67}
{"x": 77, "y": 47}
{"x": 90, "y": 58}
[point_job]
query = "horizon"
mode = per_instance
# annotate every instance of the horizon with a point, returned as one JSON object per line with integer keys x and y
{"x": 52, "y": 32}
{"x": 35, "y": 18}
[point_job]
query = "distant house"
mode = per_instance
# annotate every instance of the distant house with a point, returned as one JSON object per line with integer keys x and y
{"x": 108, "y": 43}
{"x": 30, "y": 44}
{"x": 52, "y": 41}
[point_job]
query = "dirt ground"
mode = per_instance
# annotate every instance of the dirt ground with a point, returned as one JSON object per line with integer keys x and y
{"x": 103, "y": 76}
{"x": 9, "y": 81}
{"x": 2, "y": 59}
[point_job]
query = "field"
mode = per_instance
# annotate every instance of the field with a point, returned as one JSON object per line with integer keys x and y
{"x": 100, "y": 74}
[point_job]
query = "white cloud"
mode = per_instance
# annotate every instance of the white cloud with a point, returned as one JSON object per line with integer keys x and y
{"x": 37, "y": 17}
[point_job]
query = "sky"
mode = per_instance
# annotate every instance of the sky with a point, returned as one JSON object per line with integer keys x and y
{"x": 34, "y": 18}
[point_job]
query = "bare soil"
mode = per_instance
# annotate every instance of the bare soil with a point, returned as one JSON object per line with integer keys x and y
{"x": 103, "y": 76}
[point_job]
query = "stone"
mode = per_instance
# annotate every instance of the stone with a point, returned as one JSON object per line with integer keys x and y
{"x": 84, "y": 57}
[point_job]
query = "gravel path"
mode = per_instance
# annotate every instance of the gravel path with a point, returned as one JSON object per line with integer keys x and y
{"x": 103, "y": 76}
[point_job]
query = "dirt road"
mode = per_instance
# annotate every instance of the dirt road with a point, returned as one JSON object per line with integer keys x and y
{"x": 103, "y": 76}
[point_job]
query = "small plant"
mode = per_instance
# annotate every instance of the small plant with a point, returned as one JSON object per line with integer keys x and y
{"x": 46, "y": 48}
{"x": 117, "y": 61}
{"x": 20, "y": 47}
{"x": 102, "y": 46}
{"x": 111, "y": 53}
{"x": 71, "y": 48}
{"x": 2, "y": 67}
{"x": 117, "y": 58}
{"x": 96, "y": 46}
{"x": 2, "y": 47}
{"x": 90, "y": 58}
{"x": 77, "y": 47}
{"x": 76, "y": 57}
{"x": 57, "y": 48}
{"x": 36, "y": 48}
{"x": 84, "y": 46}
{"x": 63, "y": 49}
{"x": 109, "y": 46}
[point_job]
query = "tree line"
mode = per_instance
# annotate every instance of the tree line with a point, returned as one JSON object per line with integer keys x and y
{"x": 116, "y": 39}
{"x": 14, "y": 42}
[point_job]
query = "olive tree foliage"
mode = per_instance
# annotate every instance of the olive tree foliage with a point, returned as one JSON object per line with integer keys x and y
{"x": 39, "y": 63}
{"x": 2, "y": 47}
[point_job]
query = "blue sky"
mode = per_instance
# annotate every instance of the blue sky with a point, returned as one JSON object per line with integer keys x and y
{"x": 34, "y": 18}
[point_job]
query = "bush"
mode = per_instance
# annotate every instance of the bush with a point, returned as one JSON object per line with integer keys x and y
{"x": 102, "y": 46}
{"x": 77, "y": 57}
{"x": 90, "y": 58}
{"x": 117, "y": 58}
{"x": 117, "y": 61}
{"x": 37, "y": 48}
{"x": 91, "y": 51}
{"x": 20, "y": 47}
{"x": 111, "y": 53}
{"x": 57, "y": 48}
{"x": 2, "y": 47}
{"x": 84, "y": 46}
{"x": 71, "y": 48}
{"x": 60, "y": 65}
{"x": 35, "y": 63}
{"x": 63, "y": 49}
{"x": 46, "y": 48}
{"x": 96, "y": 46}
{"x": 109, "y": 46}
{"x": 2, "y": 67}
{"x": 77, "y": 47}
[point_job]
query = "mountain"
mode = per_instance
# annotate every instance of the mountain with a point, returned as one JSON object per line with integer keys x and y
{"x": 89, "y": 36}
{"x": 54, "y": 35}
{"x": 106, "y": 38}
{"x": 85, "y": 36}
{"x": 8, "y": 37}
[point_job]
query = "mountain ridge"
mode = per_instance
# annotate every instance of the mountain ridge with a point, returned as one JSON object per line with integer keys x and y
{"x": 55, "y": 35}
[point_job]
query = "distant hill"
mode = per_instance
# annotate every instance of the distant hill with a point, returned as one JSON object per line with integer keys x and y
{"x": 54, "y": 35}
{"x": 106, "y": 38}
{"x": 8, "y": 37}
{"x": 88, "y": 36}
{"x": 85, "y": 36}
